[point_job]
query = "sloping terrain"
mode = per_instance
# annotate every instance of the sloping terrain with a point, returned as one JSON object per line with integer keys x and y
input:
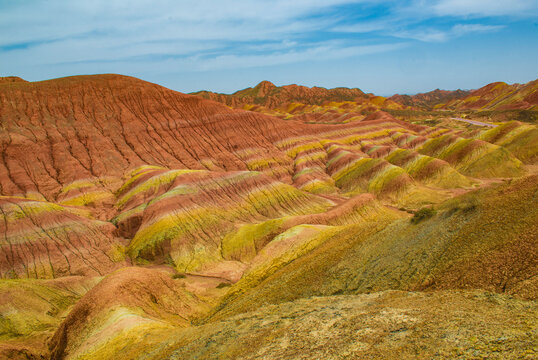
{"x": 139, "y": 222}
{"x": 430, "y": 99}
{"x": 516, "y": 137}
{"x": 498, "y": 96}
{"x": 185, "y": 224}
{"x": 343, "y": 105}
{"x": 466, "y": 245}
{"x": 128, "y": 303}
{"x": 310, "y": 105}
{"x": 385, "y": 325}
{"x": 271, "y": 96}
{"x": 46, "y": 240}
{"x": 58, "y": 131}
{"x": 33, "y": 309}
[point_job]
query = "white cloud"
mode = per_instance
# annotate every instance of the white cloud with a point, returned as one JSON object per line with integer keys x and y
{"x": 434, "y": 35}
{"x": 200, "y": 35}
{"x": 364, "y": 27}
{"x": 485, "y": 7}
{"x": 194, "y": 57}
{"x": 426, "y": 35}
{"x": 160, "y": 19}
{"x": 321, "y": 51}
{"x": 462, "y": 29}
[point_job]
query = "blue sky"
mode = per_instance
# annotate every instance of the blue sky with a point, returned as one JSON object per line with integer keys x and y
{"x": 383, "y": 47}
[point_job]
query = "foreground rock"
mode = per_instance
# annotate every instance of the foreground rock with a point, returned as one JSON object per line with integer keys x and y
{"x": 386, "y": 325}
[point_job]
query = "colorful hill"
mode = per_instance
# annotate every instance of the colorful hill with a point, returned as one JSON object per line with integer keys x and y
{"x": 344, "y": 105}
{"x": 310, "y": 105}
{"x": 498, "y": 96}
{"x": 59, "y": 131}
{"x": 430, "y": 99}
{"x": 271, "y": 96}
{"x": 137, "y": 222}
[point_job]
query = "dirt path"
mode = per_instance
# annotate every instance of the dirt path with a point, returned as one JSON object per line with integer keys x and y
{"x": 209, "y": 277}
{"x": 474, "y": 122}
{"x": 397, "y": 209}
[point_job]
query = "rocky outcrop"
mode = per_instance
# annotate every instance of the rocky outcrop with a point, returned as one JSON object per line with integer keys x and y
{"x": 386, "y": 325}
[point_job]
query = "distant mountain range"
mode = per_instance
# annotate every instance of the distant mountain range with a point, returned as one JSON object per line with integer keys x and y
{"x": 430, "y": 99}
{"x": 494, "y": 96}
{"x": 497, "y": 96}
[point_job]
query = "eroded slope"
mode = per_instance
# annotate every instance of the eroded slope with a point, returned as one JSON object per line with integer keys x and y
{"x": 186, "y": 213}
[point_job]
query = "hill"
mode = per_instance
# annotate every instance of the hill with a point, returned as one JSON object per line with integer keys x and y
{"x": 498, "y": 96}
{"x": 493, "y": 102}
{"x": 430, "y": 99}
{"x": 11, "y": 79}
{"x": 58, "y": 131}
{"x": 271, "y": 96}
{"x": 311, "y": 105}
{"x": 140, "y": 222}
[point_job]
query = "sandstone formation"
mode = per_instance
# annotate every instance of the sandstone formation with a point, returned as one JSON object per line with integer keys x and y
{"x": 311, "y": 105}
{"x": 137, "y": 222}
{"x": 498, "y": 96}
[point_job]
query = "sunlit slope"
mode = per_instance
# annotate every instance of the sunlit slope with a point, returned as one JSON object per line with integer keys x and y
{"x": 31, "y": 310}
{"x": 499, "y": 96}
{"x": 520, "y": 139}
{"x": 473, "y": 157}
{"x": 184, "y": 214}
{"x": 269, "y": 95}
{"x": 84, "y": 127}
{"x": 46, "y": 240}
{"x": 132, "y": 307}
{"x": 485, "y": 239}
{"x": 386, "y": 325}
{"x": 308, "y": 105}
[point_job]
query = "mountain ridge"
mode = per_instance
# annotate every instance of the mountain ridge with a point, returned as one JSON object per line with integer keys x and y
{"x": 138, "y": 222}
{"x": 265, "y": 93}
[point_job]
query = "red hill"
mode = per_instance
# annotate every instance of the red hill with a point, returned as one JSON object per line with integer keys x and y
{"x": 498, "y": 96}
{"x": 61, "y": 130}
{"x": 269, "y": 95}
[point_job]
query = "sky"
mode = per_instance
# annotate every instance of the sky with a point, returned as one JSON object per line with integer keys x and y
{"x": 384, "y": 47}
